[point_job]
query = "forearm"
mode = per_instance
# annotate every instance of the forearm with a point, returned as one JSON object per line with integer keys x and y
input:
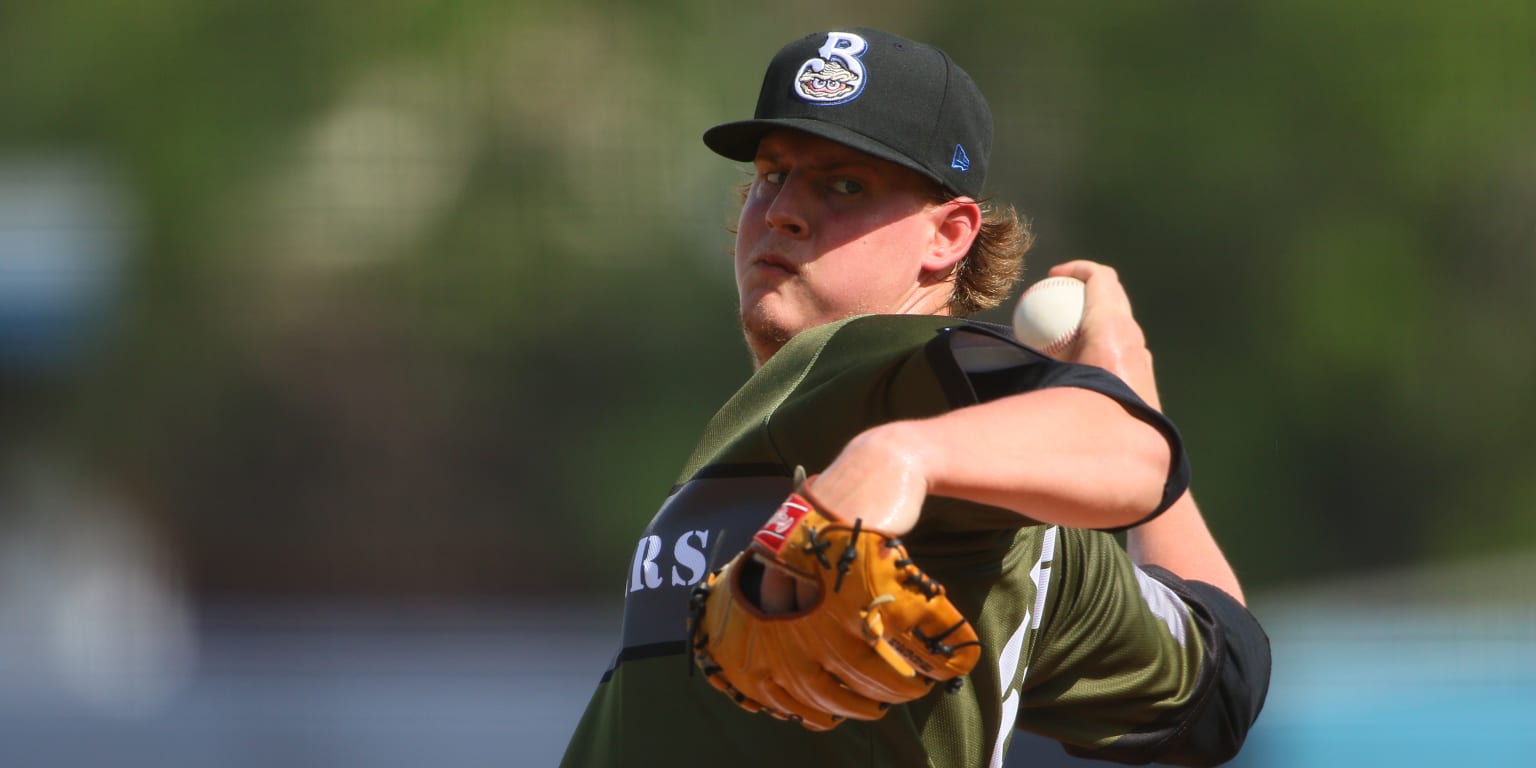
{"x": 1064, "y": 456}
{"x": 1180, "y": 541}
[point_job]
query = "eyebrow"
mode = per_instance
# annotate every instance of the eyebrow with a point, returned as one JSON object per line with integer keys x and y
{"x": 832, "y": 167}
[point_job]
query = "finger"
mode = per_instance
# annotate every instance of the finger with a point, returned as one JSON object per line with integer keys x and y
{"x": 1078, "y": 268}
{"x": 777, "y": 593}
{"x": 1107, "y": 322}
{"x": 1082, "y": 269}
{"x": 1104, "y": 289}
{"x": 806, "y": 594}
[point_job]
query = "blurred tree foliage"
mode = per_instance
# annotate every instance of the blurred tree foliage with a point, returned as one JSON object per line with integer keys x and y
{"x": 433, "y": 297}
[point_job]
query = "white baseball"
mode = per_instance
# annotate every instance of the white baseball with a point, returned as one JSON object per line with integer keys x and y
{"x": 1049, "y": 313}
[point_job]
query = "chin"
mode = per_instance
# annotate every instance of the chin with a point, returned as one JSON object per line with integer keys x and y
{"x": 764, "y": 333}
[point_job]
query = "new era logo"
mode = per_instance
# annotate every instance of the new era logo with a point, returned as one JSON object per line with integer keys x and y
{"x": 961, "y": 161}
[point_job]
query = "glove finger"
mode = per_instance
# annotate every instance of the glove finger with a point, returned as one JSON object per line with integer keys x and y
{"x": 808, "y": 680}
{"x": 783, "y": 704}
{"x": 825, "y": 692}
{"x": 815, "y": 721}
{"x": 852, "y": 660}
{"x": 742, "y": 700}
{"x": 774, "y": 701}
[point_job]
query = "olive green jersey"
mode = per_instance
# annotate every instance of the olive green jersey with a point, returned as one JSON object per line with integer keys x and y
{"x": 1078, "y": 644}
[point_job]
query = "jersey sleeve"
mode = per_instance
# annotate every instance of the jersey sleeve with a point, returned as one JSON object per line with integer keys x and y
{"x": 1135, "y": 665}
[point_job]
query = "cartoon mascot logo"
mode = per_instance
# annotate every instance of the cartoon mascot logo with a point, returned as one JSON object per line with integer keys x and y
{"x": 837, "y": 75}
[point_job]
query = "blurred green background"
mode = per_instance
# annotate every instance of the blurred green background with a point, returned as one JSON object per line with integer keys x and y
{"x": 433, "y": 297}
{"x": 428, "y": 300}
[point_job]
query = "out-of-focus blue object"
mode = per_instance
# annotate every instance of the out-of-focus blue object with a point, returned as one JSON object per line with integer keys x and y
{"x": 1444, "y": 685}
{"x": 337, "y": 685}
{"x": 63, "y": 240}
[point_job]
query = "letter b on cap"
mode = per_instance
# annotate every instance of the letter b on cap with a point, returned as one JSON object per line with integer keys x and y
{"x": 837, "y": 75}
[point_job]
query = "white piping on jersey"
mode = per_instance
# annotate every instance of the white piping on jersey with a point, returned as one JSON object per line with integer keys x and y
{"x": 1008, "y": 660}
{"x": 1041, "y": 574}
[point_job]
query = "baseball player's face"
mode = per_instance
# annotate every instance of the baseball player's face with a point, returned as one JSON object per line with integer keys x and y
{"x": 828, "y": 232}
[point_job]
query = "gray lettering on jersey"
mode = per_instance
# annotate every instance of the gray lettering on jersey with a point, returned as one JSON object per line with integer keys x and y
{"x": 645, "y": 574}
{"x": 1164, "y": 604}
{"x": 691, "y": 558}
{"x": 698, "y": 529}
{"x": 687, "y": 552}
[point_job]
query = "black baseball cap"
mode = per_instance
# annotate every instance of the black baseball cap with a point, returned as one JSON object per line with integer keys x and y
{"x": 881, "y": 94}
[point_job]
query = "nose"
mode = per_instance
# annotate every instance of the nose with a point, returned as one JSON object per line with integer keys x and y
{"x": 787, "y": 213}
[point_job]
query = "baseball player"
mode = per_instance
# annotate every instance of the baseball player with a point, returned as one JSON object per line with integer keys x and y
{"x": 892, "y": 545}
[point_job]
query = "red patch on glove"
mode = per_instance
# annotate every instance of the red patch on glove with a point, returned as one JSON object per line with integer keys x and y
{"x": 776, "y": 531}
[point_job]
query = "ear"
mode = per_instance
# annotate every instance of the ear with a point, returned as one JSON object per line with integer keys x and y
{"x": 956, "y": 225}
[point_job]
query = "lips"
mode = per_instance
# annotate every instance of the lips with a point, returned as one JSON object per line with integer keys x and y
{"x": 773, "y": 261}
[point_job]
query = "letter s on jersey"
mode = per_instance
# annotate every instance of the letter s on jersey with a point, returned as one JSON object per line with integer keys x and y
{"x": 690, "y": 557}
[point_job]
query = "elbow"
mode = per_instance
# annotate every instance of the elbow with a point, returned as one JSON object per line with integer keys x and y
{"x": 1238, "y": 682}
{"x": 1146, "y": 468}
{"x": 1114, "y": 481}
{"x": 1213, "y": 726}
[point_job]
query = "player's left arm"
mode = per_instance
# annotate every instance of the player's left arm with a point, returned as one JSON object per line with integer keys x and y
{"x": 1060, "y": 455}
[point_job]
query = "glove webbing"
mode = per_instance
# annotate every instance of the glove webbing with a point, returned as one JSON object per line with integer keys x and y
{"x": 844, "y": 561}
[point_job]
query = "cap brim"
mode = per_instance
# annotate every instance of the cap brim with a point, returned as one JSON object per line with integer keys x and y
{"x": 739, "y": 140}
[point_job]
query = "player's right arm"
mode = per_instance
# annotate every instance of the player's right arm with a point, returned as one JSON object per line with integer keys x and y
{"x": 1134, "y": 664}
{"x": 1178, "y": 539}
{"x": 1182, "y": 578}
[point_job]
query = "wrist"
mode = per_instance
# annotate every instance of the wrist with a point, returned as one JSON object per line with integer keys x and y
{"x": 881, "y": 477}
{"x": 901, "y": 452}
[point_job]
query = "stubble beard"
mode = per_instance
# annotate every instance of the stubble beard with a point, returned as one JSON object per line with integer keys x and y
{"x": 763, "y": 337}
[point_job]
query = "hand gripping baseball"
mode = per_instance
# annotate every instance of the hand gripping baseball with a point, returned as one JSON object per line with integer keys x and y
{"x": 877, "y": 632}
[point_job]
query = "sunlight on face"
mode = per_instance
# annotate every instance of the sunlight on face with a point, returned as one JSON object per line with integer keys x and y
{"x": 828, "y": 232}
